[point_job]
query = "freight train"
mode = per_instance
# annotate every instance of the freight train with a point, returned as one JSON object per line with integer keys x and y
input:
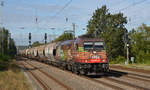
{"x": 81, "y": 56}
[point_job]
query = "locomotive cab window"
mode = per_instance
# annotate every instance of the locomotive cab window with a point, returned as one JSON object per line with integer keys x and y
{"x": 88, "y": 45}
{"x": 99, "y": 45}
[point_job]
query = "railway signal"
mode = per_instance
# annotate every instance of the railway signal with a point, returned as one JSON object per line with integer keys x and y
{"x": 45, "y": 37}
{"x": 29, "y": 39}
{"x": 126, "y": 41}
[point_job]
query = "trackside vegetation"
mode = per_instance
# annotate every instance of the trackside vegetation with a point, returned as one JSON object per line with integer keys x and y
{"x": 112, "y": 28}
{"x": 11, "y": 77}
{"x": 140, "y": 44}
{"x": 7, "y": 48}
{"x": 64, "y": 36}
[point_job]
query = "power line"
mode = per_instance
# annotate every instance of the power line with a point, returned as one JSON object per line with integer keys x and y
{"x": 66, "y": 5}
{"x": 131, "y": 5}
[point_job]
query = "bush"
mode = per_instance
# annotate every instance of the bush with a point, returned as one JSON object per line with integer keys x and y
{"x": 4, "y": 58}
{"x": 4, "y": 62}
{"x": 119, "y": 60}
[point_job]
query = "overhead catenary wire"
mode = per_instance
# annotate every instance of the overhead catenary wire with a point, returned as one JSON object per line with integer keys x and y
{"x": 131, "y": 5}
{"x": 66, "y": 5}
{"x": 54, "y": 16}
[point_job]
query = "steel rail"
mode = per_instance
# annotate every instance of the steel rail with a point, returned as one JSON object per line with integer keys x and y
{"x": 131, "y": 69}
{"x": 94, "y": 80}
{"x": 39, "y": 81}
{"x": 46, "y": 74}
{"x": 143, "y": 76}
{"x": 132, "y": 76}
{"x": 126, "y": 83}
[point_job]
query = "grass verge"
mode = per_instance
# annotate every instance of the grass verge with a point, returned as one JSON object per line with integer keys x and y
{"x": 12, "y": 78}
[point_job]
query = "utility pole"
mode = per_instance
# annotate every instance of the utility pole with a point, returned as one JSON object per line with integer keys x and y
{"x": 127, "y": 53}
{"x": 126, "y": 40}
{"x": 2, "y": 31}
{"x": 1, "y": 5}
{"x": 73, "y": 24}
{"x": 2, "y": 42}
{"x": 8, "y": 42}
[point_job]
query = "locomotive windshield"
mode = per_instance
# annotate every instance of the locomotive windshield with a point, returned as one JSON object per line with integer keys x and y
{"x": 88, "y": 45}
{"x": 93, "y": 45}
{"x": 99, "y": 46}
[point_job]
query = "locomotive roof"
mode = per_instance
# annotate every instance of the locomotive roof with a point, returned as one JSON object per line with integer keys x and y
{"x": 88, "y": 39}
{"x": 66, "y": 42}
{"x": 78, "y": 40}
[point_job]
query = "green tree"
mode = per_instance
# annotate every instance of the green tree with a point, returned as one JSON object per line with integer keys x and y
{"x": 140, "y": 43}
{"x": 12, "y": 48}
{"x": 110, "y": 27}
{"x": 65, "y": 36}
{"x": 37, "y": 43}
{"x": 7, "y": 45}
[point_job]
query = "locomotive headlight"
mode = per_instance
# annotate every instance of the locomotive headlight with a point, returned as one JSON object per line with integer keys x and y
{"x": 94, "y": 52}
{"x": 103, "y": 60}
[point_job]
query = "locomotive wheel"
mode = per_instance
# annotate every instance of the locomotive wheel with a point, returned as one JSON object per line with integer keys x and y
{"x": 83, "y": 72}
{"x": 69, "y": 67}
{"x": 107, "y": 70}
{"x": 72, "y": 69}
{"x": 75, "y": 70}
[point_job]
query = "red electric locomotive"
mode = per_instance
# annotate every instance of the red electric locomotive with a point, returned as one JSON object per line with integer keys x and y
{"x": 83, "y": 55}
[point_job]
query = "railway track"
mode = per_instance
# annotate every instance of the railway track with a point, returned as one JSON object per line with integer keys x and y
{"x": 130, "y": 75}
{"x": 46, "y": 74}
{"x": 42, "y": 84}
{"x": 118, "y": 81}
{"x": 126, "y": 84}
{"x": 45, "y": 87}
{"x": 131, "y": 69}
{"x": 112, "y": 80}
{"x": 94, "y": 80}
{"x": 103, "y": 83}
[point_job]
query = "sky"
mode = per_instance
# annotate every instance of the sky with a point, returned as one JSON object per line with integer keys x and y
{"x": 19, "y": 16}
